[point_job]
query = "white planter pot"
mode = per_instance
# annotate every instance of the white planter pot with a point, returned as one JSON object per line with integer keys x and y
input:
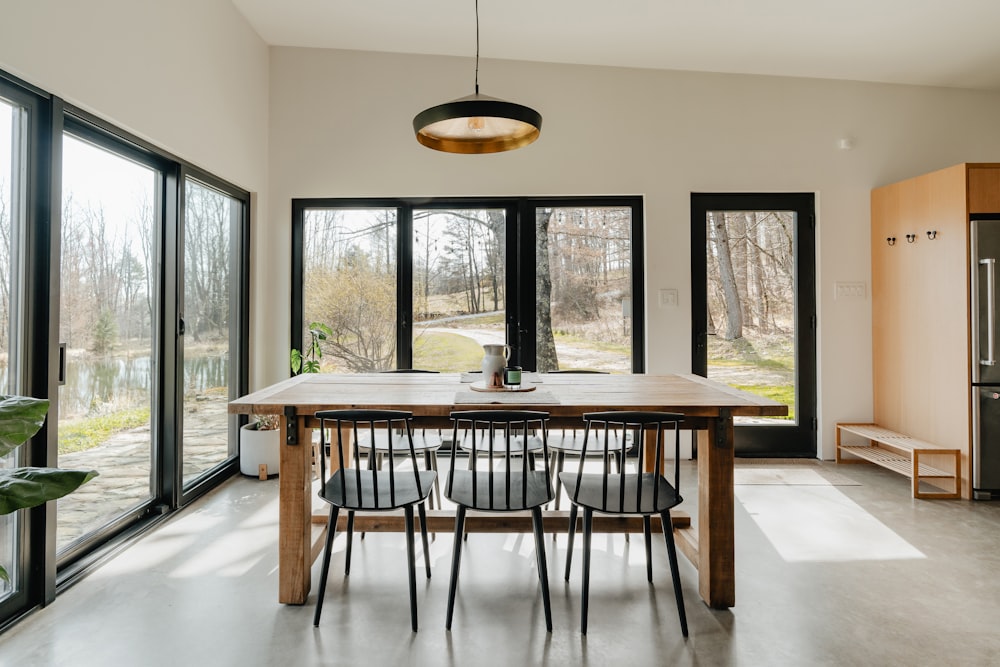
{"x": 259, "y": 448}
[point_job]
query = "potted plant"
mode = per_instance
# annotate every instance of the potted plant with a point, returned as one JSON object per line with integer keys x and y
{"x": 260, "y": 446}
{"x": 20, "y": 488}
{"x": 309, "y": 361}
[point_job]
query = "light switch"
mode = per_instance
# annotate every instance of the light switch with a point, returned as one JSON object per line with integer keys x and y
{"x": 668, "y": 298}
{"x": 850, "y": 290}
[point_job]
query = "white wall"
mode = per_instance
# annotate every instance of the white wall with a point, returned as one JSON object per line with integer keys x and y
{"x": 340, "y": 125}
{"x": 189, "y": 76}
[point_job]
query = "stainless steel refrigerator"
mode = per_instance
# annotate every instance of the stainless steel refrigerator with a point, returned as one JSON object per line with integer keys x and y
{"x": 985, "y": 359}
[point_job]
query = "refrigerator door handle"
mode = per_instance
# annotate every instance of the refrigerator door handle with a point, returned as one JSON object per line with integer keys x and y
{"x": 991, "y": 311}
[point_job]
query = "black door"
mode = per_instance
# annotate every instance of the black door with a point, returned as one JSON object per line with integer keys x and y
{"x": 754, "y": 310}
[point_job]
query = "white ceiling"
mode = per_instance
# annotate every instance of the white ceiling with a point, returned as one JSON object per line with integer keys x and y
{"x": 953, "y": 43}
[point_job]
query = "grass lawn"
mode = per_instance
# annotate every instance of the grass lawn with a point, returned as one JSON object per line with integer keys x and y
{"x": 87, "y": 433}
{"x": 447, "y": 352}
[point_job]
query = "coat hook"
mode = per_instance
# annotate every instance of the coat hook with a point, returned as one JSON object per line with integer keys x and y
{"x": 910, "y": 238}
{"x": 932, "y": 235}
{"x": 891, "y": 240}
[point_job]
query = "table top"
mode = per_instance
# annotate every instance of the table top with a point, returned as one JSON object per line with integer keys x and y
{"x": 434, "y": 395}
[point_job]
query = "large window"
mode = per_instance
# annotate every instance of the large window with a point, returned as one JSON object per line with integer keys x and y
{"x": 349, "y": 275}
{"x": 407, "y": 284}
{"x": 123, "y": 300}
{"x": 107, "y": 329}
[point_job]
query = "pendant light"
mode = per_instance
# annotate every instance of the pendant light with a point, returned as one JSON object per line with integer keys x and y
{"x": 477, "y": 123}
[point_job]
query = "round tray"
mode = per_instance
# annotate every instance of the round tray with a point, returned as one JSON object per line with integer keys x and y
{"x": 481, "y": 386}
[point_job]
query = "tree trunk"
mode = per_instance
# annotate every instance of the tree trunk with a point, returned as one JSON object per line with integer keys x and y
{"x": 545, "y": 353}
{"x": 734, "y": 313}
{"x": 755, "y": 274}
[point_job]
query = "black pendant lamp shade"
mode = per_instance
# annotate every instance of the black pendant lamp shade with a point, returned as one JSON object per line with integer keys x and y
{"x": 477, "y": 123}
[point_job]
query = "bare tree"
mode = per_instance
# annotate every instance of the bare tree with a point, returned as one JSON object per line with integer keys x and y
{"x": 546, "y": 358}
{"x": 719, "y": 237}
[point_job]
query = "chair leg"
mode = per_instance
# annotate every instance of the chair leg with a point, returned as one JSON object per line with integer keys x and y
{"x": 411, "y": 562}
{"x": 350, "y": 542}
{"x": 560, "y": 463}
{"x": 431, "y": 461}
{"x": 543, "y": 571}
{"x": 331, "y": 530}
{"x": 588, "y": 523}
{"x": 647, "y": 533}
{"x": 668, "y": 535}
{"x": 374, "y": 463}
{"x": 570, "y": 535}
{"x": 423, "y": 536}
{"x": 456, "y": 562}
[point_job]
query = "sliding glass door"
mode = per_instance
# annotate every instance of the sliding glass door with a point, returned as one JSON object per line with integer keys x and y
{"x": 210, "y": 314}
{"x": 124, "y": 299}
{"x": 108, "y": 332}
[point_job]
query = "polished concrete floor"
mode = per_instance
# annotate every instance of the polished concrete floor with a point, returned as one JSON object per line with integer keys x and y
{"x": 852, "y": 572}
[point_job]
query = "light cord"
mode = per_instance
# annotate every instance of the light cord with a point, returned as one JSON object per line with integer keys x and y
{"x": 477, "y": 47}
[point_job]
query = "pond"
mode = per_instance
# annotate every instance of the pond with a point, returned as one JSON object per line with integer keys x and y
{"x": 97, "y": 385}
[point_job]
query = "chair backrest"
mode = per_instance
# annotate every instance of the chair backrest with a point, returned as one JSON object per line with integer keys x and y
{"x": 508, "y": 425}
{"x": 361, "y": 426}
{"x": 601, "y": 426}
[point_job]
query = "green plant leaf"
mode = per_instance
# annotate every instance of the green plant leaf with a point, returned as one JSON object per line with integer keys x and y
{"x": 3, "y": 574}
{"x": 295, "y": 358}
{"x": 20, "y": 418}
{"x": 27, "y": 487}
{"x": 311, "y": 366}
{"x": 320, "y": 331}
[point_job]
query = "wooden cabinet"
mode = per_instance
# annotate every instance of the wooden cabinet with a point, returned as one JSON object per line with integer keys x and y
{"x": 921, "y": 303}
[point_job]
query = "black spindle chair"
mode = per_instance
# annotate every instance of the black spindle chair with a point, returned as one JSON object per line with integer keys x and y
{"x": 425, "y": 441}
{"x": 565, "y": 442}
{"x": 356, "y": 489}
{"x": 509, "y": 484}
{"x": 624, "y": 493}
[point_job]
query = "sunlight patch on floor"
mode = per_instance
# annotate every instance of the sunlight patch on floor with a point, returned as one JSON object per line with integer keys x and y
{"x": 820, "y": 523}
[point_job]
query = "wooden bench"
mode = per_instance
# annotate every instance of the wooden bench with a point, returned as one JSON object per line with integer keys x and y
{"x": 902, "y": 454}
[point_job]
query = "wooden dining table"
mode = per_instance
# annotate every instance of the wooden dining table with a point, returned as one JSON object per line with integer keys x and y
{"x": 708, "y": 407}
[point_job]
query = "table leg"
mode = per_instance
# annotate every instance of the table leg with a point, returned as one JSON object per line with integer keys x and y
{"x": 294, "y": 520}
{"x": 716, "y": 504}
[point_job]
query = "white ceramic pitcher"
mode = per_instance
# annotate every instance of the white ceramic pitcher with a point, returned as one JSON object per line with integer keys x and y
{"x": 494, "y": 360}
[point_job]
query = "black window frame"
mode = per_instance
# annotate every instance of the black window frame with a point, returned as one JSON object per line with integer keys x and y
{"x": 519, "y": 276}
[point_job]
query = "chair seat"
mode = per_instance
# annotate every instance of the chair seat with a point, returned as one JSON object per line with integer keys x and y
{"x": 422, "y": 442}
{"x": 609, "y": 500}
{"x": 362, "y": 496}
{"x": 499, "y": 446}
{"x": 572, "y": 443}
{"x": 490, "y": 494}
